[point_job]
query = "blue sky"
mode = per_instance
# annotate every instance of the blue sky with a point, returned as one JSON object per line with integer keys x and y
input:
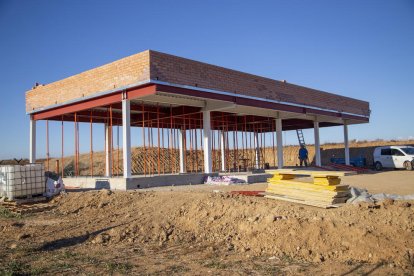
{"x": 361, "y": 49}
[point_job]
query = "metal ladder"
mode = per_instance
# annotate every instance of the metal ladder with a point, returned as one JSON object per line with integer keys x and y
{"x": 301, "y": 138}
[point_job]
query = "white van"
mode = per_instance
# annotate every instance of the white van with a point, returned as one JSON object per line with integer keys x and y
{"x": 396, "y": 157}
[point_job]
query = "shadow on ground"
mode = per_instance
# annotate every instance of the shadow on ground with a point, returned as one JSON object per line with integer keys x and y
{"x": 355, "y": 269}
{"x": 67, "y": 242}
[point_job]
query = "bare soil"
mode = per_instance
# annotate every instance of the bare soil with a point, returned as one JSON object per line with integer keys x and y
{"x": 389, "y": 181}
{"x": 204, "y": 229}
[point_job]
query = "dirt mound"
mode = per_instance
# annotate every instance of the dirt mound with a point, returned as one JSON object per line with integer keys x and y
{"x": 199, "y": 231}
{"x": 223, "y": 222}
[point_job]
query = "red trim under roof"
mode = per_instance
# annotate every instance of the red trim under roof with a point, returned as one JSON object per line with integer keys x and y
{"x": 152, "y": 89}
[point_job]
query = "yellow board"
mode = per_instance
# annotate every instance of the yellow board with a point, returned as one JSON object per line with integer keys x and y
{"x": 307, "y": 195}
{"x": 306, "y": 202}
{"x": 304, "y": 185}
{"x": 310, "y": 172}
{"x": 326, "y": 193}
{"x": 311, "y": 198}
{"x": 325, "y": 176}
{"x": 317, "y": 179}
{"x": 326, "y": 181}
{"x": 324, "y": 188}
{"x": 283, "y": 176}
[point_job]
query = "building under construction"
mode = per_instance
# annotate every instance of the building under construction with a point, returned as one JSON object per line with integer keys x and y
{"x": 194, "y": 119}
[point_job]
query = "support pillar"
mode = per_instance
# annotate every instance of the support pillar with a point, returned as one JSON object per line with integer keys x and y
{"x": 32, "y": 155}
{"x": 207, "y": 142}
{"x": 279, "y": 138}
{"x": 223, "y": 151}
{"x": 181, "y": 142}
{"x": 108, "y": 151}
{"x": 346, "y": 143}
{"x": 126, "y": 137}
{"x": 317, "y": 144}
{"x": 257, "y": 151}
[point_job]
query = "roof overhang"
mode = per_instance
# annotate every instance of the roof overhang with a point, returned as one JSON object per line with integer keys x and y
{"x": 168, "y": 94}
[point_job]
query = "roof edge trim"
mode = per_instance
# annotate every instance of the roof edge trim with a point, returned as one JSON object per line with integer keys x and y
{"x": 100, "y": 94}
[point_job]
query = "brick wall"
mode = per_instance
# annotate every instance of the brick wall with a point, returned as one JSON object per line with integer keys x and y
{"x": 119, "y": 73}
{"x": 155, "y": 65}
{"x": 183, "y": 71}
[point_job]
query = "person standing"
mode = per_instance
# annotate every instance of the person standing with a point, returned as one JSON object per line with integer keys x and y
{"x": 303, "y": 155}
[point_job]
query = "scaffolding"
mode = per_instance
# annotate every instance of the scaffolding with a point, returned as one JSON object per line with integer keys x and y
{"x": 161, "y": 131}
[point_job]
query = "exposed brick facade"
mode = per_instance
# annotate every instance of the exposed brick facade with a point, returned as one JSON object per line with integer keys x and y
{"x": 126, "y": 71}
{"x": 163, "y": 67}
{"x": 183, "y": 71}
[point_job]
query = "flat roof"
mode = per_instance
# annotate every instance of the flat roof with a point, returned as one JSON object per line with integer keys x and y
{"x": 184, "y": 77}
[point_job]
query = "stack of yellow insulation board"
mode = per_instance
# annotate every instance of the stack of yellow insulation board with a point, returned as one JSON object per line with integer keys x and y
{"x": 324, "y": 190}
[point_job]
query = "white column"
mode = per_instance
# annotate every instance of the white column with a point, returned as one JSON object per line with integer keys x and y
{"x": 279, "y": 141}
{"x": 317, "y": 144}
{"x": 126, "y": 137}
{"x": 346, "y": 143}
{"x": 108, "y": 151}
{"x": 181, "y": 144}
{"x": 207, "y": 142}
{"x": 32, "y": 156}
{"x": 223, "y": 151}
{"x": 257, "y": 151}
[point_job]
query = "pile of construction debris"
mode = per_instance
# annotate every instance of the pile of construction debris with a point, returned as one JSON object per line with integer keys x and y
{"x": 224, "y": 180}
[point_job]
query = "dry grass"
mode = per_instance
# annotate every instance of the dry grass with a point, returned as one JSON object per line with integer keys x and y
{"x": 169, "y": 161}
{"x": 147, "y": 160}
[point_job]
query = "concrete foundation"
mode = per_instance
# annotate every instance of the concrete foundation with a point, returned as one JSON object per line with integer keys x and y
{"x": 136, "y": 182}
{"x": 250, "y": 177}
{"x": 141, "y": 182}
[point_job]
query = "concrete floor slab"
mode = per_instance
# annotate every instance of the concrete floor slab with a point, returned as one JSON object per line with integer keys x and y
{"x": 249, "y": 177}
{"x": 135, "y": 182}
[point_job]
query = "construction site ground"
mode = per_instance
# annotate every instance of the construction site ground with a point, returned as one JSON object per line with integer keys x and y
{"x": 198, "y": 230}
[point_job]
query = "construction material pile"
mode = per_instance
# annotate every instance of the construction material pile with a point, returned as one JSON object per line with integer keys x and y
{"x": 324, "y": 190}
{"x": 224, "y": 180}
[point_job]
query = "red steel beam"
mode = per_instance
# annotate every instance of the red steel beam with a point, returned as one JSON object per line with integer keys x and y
{"x": 96, "y": 102}
{"x": 114, "y": 99}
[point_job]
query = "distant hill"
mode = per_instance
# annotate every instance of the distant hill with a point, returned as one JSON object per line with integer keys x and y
{"x": 147, "y": 159}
